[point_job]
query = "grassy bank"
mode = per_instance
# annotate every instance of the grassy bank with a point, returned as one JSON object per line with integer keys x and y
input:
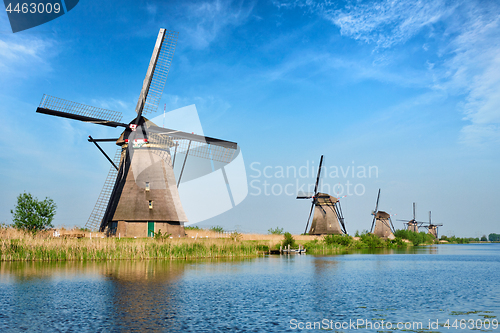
{"x": 54, "y": 249}
{"x": 19, "y": 246}
{"x": 332, "y": 244}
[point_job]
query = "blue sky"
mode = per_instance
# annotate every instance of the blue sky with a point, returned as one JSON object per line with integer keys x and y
{"x": 411, "y": 88}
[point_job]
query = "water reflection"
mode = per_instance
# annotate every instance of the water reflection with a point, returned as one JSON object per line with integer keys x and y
{"x": 143, "y": 294}
{"x": 254, "y": 295}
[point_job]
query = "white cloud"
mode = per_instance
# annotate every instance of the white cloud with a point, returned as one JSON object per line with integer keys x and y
{"x": 385, "y": 23}
{"x": 206, "y": 105}
{"x": 466, "y": 62}
{"x": 20, "y": 53}
{"x": 206, "y": 20}
{"x": 113, "y": 104}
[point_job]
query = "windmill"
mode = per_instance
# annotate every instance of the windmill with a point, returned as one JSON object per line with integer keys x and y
{"x": 328, "y": 217}
{"x": 140, "y": 195}
{"x": 413, "y": 224}
{"x": 382, "y": 224}
{"x": 432, "y": 228}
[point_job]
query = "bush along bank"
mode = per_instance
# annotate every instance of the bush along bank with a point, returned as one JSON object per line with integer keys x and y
{"x": 342, "y": 243}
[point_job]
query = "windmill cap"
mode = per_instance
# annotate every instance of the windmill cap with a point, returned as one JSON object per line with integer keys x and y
{"x": 383, "y": 215}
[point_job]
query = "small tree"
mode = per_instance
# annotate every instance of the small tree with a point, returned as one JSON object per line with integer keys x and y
{"x": 217, "y": 229}
{"x": 288, "y": 240}
{"x": 276, "y": 231}
{"x": 33, "y": 215}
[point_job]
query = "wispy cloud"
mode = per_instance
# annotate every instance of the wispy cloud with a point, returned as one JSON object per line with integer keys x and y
{"x": 385, "y": 23}
{"x": 210, "y": 105}
{"x": 20, "y": 52}
{"x": 207, "y": 19}
{"x": 112, "y": 104}
{"x": 466, "y": 62}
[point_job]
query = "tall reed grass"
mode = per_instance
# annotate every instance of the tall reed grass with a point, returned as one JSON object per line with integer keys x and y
{"x": 18, "y": 246}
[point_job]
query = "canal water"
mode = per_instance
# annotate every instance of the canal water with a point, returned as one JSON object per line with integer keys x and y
{"x": 444, "y": 288}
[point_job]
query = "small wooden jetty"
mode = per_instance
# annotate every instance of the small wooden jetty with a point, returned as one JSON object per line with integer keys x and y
{"x": 288, "y": 250}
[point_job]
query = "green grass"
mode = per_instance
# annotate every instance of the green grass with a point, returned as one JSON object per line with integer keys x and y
{"x": 332, "y": 244}
{"x": 55, "y": 249}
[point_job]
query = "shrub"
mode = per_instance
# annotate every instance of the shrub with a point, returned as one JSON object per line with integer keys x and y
{"x": 371, "y": 241}
{"x": 288, "y": 240}
{"x": 236, "y": 236}
{"x": 276, "y": 231}
{"x": 398, "y": 242}
{"x": 159, "y": 236}
{"x": 261, "y": 247}
{"x": 344, "y": 240}
{"x": 217, "y": 228}
{"x": 193, "y": 228}
{"x": 416, "y": 238}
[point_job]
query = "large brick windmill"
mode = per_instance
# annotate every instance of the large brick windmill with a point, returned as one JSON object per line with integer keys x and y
{"x": 328, "y": 217}
{"x": 140, "y": 195}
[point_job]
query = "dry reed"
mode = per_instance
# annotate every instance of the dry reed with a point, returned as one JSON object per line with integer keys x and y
{"x": 19, "y": 246}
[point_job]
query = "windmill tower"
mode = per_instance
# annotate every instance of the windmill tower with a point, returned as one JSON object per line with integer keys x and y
{"x": 432, "y": 228}
{"x": 413, "y": 224}
{"x": 140, "y": 195}
{"x": 382, "y": 224}
{"x": 328, "y": 217}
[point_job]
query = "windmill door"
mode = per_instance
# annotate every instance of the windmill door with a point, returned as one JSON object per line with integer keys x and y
{"x": 151, "y": 229}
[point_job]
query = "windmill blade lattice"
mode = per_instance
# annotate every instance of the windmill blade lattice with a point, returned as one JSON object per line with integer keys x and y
{"x": 196, "y": 148}
{"x": 79, "y": 111}
{"x": 97, "y": 214}
{"x": 160, "y": 73}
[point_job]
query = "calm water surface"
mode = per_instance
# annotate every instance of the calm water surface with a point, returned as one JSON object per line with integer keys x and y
{"x": 270, "y": 294}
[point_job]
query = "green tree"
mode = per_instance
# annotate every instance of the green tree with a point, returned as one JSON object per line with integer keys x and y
{"x": 494, "y": 237}
{"x": 217, "y": 228}
{"x": 288, "y": 240}
{"x": 484, "y": 239}
{"x": 33, "y": 215}
{"x": 276, "y": 231}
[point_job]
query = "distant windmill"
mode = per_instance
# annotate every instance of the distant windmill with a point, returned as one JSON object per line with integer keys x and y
{"x": 432, "y": 228}
{"x": 413, "y": 224}
{"x": 382, "y": 224}
{"x": 140, "y": 194}
{"x": 328, "y": 217}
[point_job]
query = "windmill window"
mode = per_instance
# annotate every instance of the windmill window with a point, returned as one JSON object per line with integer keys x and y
{"x": 147, "y": 186}
{"x": 150, "y": 204}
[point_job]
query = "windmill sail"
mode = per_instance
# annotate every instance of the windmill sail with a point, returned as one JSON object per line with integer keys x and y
{"x": 161, "y": 71}
{"x": 327, "y": 218}
{"x": 382, "y": 224}
{"x": 68, "y": 109}
{"x": 157, "y": 73}
{"x": 97, "y": 214}
{"x": 413, "y": 225}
